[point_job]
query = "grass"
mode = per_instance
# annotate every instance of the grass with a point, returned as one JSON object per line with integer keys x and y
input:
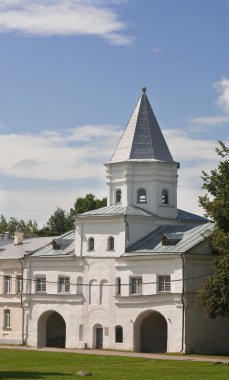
{"x": 16, "y": 364}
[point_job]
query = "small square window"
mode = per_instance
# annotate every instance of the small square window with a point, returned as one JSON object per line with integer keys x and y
{"x": 64, "y": 285}
{"x": 136, "y": 285}
{"x": 164, "y": 283}
{"x": 41, "y": 284}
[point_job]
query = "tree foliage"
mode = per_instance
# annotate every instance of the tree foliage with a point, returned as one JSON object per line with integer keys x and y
{"x": 62, "y": 221}
{"x": 88, "y": 203}
{"x": 29, "y": 228}
{"x": 59, "y": 222}
{"x": 215, "y": 293}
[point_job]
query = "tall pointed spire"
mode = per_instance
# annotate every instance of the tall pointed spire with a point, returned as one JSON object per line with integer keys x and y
{"x": 142, "y": 138}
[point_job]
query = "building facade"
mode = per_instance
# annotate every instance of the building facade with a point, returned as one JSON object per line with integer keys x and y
{"x": 12, "y": 252}
{"x": 126, "y": 278}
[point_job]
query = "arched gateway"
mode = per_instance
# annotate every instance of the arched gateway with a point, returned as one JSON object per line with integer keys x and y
{"x": 51, "y": 330}
{"x": 150, "y": 332}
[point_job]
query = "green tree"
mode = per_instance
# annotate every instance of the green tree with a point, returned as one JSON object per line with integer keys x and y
{"x": 88, "y": 203}
{"x": 3, "y": 224}
{"x": 59, "y": 223}
{"x": 214, "y": 295}
{"x": 13, "y": 225}
{"x": 29, "y": 228}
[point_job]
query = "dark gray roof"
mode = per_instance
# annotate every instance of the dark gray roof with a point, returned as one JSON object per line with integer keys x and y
{"x": 192, "y": 234}
{"x": 142, "y": 138}
{"x": 117, "y": 210}
{"x": 10, "y": 251}
{"x": 188, "y": 216}
{"x": 134, "y": 210}
{"x": 66, "y": 243}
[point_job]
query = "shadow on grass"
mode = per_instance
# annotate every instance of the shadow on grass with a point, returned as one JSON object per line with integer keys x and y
{"x": 30, "y": 375}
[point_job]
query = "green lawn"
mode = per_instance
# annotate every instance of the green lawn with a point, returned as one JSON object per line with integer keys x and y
{"x": 16, "y": 364}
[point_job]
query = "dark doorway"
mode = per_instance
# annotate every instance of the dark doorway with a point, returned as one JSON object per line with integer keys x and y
{"x": 99, "y": 338}
{"x": 55, "y": 331}
{"x": 153, "y": 332}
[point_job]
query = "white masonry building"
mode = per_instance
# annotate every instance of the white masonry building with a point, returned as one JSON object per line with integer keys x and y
{"x": 127, "y": 277}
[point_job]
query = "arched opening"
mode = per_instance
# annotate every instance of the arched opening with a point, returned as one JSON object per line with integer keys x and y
{"x": 79, "y": 285}
{"x": 91, "y": 244}
{"x": 110, "y": 243}
{"x": 98, "y": 336}
{"x": 118, "y": 334}
{"x": 118, "y": 286}
{"x": 94, "y": 292}
{"x": 141, "y": 196}
{"x": 104, "y": 292}
{"x": 150, "y": 332}
{"x": 165, "y": 197}
{"x": 51, "y": 330}
{"x": 118, "y": 196}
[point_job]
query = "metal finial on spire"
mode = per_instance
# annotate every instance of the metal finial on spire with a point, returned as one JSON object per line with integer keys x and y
{"x": 144, "y": 89}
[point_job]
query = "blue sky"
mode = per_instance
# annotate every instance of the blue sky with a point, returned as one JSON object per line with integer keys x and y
{"x": 71, "y": 73}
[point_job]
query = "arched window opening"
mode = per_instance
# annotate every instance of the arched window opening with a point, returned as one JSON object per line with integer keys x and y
{"x": 93, "y": 293}
{"x": 165, "y": 197}
{"x": 104, "y": 292}
{"x": 118, "y": 334}
{"x": 118, "y": 196}
{"x": 141, "y": 196}
{"x": 118, "y": 286}
{"x": 79, "y": 285}
{"x": 91, "y": 244}
{"x": 110, "y": 243}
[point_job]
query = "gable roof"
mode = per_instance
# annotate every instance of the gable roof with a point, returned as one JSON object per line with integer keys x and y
{"x": 189, "y": 216}
{"x": 10, "y": 251}
{"x": 142, "y": 138}
{"x": 65, "y": 246}
{"x": 192, "y": 235}
{"x": 118, "y": 209}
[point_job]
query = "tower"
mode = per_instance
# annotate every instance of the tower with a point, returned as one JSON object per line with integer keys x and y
{"x": 142, "y": 171}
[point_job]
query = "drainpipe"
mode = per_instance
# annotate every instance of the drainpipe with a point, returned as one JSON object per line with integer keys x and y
{"x": 22, "y": 305}
{"x": 127, "y": 229}
{"x": 81, "y": 239}
{"x": 183, "y": 303}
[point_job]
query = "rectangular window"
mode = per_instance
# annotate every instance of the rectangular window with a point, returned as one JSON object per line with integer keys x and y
{"x": 136, "y": 285}
{"x": 7, "y": 284}
{"x": 41, "y": 284}
{"x": 19, "y": 284}
{"x": 6, "y": 322}
{"x": 64, "y": 284}
{"x": 164, "y": 283}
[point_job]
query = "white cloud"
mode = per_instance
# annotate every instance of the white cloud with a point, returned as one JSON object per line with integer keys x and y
{"x": 63, "y": 17}
{"x": 210, "y": 120}
{"x": 74, "y": 154}
{"x": 222, "y": 88}
{"x": 186, "y": 149}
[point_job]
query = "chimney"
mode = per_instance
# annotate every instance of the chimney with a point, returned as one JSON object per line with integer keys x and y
{"x": 18, "y": 237}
